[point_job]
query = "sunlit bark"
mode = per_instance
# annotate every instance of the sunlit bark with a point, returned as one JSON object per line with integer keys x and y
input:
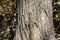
{"x": 34, "y": 20}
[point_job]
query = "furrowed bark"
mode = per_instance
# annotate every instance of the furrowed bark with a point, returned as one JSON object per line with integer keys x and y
{"x": 34, "y": 20}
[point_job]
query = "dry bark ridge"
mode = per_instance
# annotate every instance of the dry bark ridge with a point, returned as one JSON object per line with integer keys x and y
{"x": 34, "y": 20}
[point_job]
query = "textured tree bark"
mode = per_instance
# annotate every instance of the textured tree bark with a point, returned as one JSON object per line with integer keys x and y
{"x": 34, "y": 20}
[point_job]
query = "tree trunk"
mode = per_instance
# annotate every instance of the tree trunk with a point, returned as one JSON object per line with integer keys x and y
{"x": 34, "y": 20}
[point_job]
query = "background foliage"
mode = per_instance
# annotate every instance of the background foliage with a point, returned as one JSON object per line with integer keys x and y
{"x": 56, "y": 18}
{"x": 8, "y": 18}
